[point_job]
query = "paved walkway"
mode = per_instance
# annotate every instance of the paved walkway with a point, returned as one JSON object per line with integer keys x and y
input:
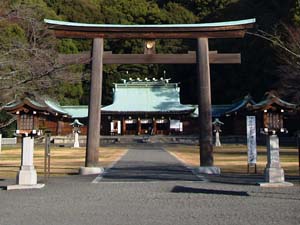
{"x": 148, "y": 163}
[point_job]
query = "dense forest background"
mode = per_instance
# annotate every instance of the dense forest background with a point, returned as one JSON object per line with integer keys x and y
{"x": 29, "y": 52}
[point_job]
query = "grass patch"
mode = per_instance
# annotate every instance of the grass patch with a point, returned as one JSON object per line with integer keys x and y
{"x": 64, "y": 160}
{"x": 233, "y": 158}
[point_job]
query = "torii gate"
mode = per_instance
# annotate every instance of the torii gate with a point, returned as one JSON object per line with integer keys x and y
{"x": 202, "y": 57}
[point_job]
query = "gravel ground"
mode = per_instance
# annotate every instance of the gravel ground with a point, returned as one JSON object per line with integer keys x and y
{"x": 148, "y": 186}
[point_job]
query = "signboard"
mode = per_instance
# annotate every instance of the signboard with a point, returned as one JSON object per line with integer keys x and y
{"x": 115, "y": 127}
{"x": 251, "y": 139}
{"x": 146, "y": 121}
{"x": 175, "y": 124}
{"x": 161, "y": 121}
{"x": 130, "y": 121}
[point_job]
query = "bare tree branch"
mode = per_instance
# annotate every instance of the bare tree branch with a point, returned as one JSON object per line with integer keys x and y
{"x": 274, "y": 40}
{"x": 7, "y": 123}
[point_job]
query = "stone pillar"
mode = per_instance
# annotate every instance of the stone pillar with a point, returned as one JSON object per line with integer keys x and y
{"x": 27, "y": 174}
{"x": 273, "y": 171}
{"x": 76, "y": 140}
{"x": 274, "y": 174}
{"x": 205, "y": 114}
{"x": 93, "y": 136}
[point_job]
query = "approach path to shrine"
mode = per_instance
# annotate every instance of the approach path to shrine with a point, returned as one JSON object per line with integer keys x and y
{"x": 148, "y": 163}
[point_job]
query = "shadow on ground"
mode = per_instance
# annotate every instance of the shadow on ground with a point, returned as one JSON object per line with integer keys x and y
{"x": 182, "y": 189}
{"x": 245, "y": 179}
{"x": 239, "y": 179}
{"x": 148, "y": 172}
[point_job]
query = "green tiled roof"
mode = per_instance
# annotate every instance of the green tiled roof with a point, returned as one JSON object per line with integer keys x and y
{"x": 76, "y": 111}
{"x": 271, "y": 99}
{"x": 147, "y": 97}
{"x": 241, "y": 104}
{"x": 43, "y": 105}
{"x": 222, "y": 110}
{"x": 55, "y": 107}
{"x": 29, "y": 101}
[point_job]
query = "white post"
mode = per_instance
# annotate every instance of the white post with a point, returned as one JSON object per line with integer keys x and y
{"x": 76, "y": 141}
{"x": 119, "y": 127}
{"x": 0, "y": 142}
{"x": 27, "y": 174}
{"x": 181, "y": 127}
{"x": 111, "y": 128}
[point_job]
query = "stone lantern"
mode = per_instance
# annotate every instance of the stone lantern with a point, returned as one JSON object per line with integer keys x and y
{"x": 27, "y": 123}
{"x": 27, "y": 129}
{"x": 76, "y": 130}
{"x": 272, "y": 109}
{"x": 217, "y": 129}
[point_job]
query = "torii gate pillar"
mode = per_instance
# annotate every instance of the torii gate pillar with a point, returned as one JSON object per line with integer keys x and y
{"x": 93, "y": 137}
{"x": 205, "y": 114}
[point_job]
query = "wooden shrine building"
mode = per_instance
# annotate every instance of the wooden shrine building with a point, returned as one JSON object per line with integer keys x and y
{"x": 275, "y": 113}
{"x": 38, "y": 116}
{"x": 145, "y": 107}
{"x": 157, "y": 111}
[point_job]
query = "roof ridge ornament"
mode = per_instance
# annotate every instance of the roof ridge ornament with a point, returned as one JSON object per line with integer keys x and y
{"x": 146, "y": 79}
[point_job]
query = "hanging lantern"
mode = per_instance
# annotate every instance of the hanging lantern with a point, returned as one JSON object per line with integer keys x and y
{"x": 27, "y": 123}
{"x": 273, "y": 121}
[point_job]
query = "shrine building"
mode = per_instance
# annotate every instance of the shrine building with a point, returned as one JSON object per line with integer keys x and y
{"x": 145, "y": 107}
{"x": 151, "y": 107}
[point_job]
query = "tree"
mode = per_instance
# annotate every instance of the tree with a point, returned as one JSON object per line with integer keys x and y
{"x": 284, "y": 39}
{"x": 85, "y": 11}
{"x": 288, "y": 49}
{"x": 28, "y": 56}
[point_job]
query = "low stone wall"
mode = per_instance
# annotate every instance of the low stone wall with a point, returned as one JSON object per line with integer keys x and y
{"x": 9, "y": 141}
{"x": 67, "y": 140}
{"x": 167, "y": 139}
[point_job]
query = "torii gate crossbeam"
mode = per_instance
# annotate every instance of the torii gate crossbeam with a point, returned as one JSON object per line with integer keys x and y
{"x": 201, "y": 32}
{"x": 189, "y": 58}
